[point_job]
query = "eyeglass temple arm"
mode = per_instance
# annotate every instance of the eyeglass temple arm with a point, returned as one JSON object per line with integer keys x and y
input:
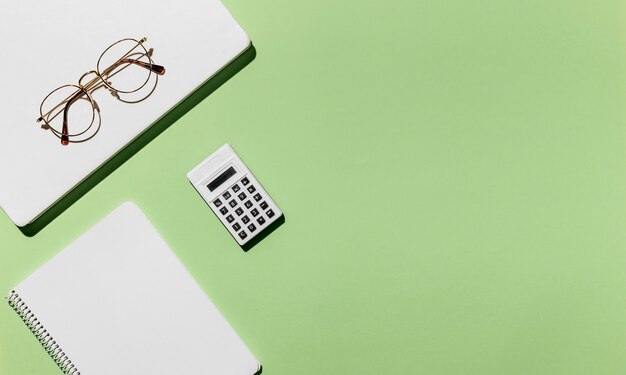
{"x": 158, "y": 69}
{"x": 65, "y": 138}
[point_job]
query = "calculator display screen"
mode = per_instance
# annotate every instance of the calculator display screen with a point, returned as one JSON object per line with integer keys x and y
{"x": 221, "y": 178}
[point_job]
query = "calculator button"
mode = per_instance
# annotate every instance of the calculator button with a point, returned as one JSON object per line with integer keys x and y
{"x": 251, "y": 189}
{"x": 248, "y": 204}
{"x": 236, "y": 226}
{"x": 245, "y": 181}
{"x": 232, "y": 203}
{"x": 236, "y": 188}
{"x": 270, "y": 213}
{"x": 242, "y": 196}
{"x": 260, "y": 220}
{"x": 224, "y": 210}
{"x": 264, "y": 205}
{"x": 254, "y": 212}
{"x": 226, "y": 195}
{"x": 243, "y": 234}
{"x": 217, "y": 202}
{"x": 245, "y": 219}
{"x": 239, "y": 211}
{"x": 257, "y": 197}
{"x": 251, "y": 228}
{"x": 230, "y": 218}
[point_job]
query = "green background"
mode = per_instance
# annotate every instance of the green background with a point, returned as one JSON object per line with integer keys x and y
{"x": 452, "y": 174}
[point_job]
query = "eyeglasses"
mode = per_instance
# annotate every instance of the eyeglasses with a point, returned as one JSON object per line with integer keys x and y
{"x": 125, "y": 68}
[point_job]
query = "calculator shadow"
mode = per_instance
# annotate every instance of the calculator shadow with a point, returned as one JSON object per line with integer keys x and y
{"x": 266, "y": 232}
{"x": 140, "y": 142}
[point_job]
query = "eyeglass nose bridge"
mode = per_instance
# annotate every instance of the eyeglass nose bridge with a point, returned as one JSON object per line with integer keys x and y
{"x": 80, "y": 80}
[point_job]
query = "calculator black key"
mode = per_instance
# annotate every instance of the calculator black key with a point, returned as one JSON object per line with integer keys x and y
{"x": 254, "y": 212}
{"x": 223, "y": 210}
{"x": 217, "y": 202}
{"x": 260, "y": 220}
{"x": 230, "y": 218}
{"x": 251, "y": 189}
{"x": 226, "y": 195}
{"x": 264, "y": 205}
{"x": 236, "y": 188}
{"x": 248, "y": 204}
{"x": 257, "y": 197}
{"x": 232, "y": 203}
{"x": 251, "y": 228}
{"x": 245, "y": 219}
{"x": 236, "y": 226}
{"x": 270, "y": 213}
{"x": 239, "y": 211}
{"x": 245, "y": 181}
{"x": 242, "y": 196}
{"x": 243, "y": 234}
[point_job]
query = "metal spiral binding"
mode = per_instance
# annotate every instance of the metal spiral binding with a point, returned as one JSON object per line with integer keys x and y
{"x": 46, "y": 340}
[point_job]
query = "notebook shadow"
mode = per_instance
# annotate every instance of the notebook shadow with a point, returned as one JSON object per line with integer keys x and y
{"x": 266, "y": 232}
{"x": 146, "y": 137}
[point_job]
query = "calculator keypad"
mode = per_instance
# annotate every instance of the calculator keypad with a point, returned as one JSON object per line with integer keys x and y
{"x": 235, "y": 195}
{"x": 246, "y": 207}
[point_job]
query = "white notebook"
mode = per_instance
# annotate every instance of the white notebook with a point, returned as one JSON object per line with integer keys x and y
{"x": 118, "y": 301}
{"x": 46, "y": 44}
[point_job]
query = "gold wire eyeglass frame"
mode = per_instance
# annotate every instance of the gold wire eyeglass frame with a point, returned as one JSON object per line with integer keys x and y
{"x": 102, "y": 79}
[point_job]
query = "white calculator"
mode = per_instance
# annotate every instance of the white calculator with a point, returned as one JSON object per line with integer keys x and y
{"x": 234, "y": 194}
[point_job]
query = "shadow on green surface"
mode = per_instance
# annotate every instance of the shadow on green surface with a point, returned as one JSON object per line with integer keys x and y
{"x": 266, "y": 232}
{"x": 152, "y": 132}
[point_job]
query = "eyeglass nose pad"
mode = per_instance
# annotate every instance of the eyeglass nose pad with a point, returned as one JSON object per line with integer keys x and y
{"x": 150, "y": 52}
{"x": 95, "y": 105}
{"x": 115, "y": 94}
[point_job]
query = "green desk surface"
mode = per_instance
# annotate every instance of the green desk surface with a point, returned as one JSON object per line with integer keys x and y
{"x": 452, "y": 174}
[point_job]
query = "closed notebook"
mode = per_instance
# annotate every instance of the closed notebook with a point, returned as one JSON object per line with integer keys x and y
{"x": 46, "y": 44}
{"x": 118, "y": 301}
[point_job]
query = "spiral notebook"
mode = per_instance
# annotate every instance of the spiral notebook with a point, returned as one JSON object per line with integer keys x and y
{"x": 118, "y": 301}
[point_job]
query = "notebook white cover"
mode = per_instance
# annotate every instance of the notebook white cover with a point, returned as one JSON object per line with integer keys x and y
{"x": 45, "y": 44}
{"x": 118, "y": 301}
